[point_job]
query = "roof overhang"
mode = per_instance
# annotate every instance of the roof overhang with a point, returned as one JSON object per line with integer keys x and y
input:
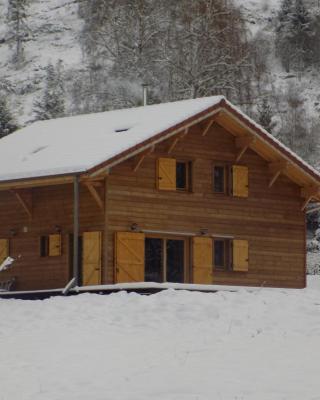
{"x": 224, "y": 114}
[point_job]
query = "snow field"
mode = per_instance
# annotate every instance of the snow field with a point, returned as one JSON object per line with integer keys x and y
{"x": 175, "y": 345}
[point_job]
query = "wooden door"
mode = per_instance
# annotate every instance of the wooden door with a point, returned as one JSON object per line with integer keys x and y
{"x": 129, "y": 257}
{"x": 91, "y": 258}
{"x": 202, "y": 260}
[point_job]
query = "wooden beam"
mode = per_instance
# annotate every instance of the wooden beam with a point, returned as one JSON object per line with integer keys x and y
{"x": 141, "y": 157}
{"x": 243, "y": 143}
{"x": 207, "y": 128}
{"x": 29, "y": 183}
{"x": 309, "y": 193}
{"x": 176, "y": 140}
{"x": 95, "y": 195}
{"x": 276, "y": 168}
{"x": 307, "y": 201}
{"x": 25, "y": 199}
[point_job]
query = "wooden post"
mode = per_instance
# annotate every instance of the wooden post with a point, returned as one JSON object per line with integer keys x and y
{"x": 76, "y": 229}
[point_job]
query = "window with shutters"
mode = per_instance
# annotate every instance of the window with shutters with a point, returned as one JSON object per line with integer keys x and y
{"x": 174, "y": 175}
{"x": 50, "y": 245}
{"x": 220, "y": 179}
{"x": 222, "y": 254}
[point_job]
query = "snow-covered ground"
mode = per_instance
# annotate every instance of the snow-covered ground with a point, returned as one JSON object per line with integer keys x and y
{"x": 174, "y": 345}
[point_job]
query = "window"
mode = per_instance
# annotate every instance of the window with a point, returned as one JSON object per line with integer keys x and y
{"x": 220, "y": 179}
{"x": 222, "y": 254}
{"x": 50, "y": 245}
{"x": 165, "y": 260}
{"x": 183, "y": 175}
{"x": 173, "y": 175}
{"x": 44, "y": 246}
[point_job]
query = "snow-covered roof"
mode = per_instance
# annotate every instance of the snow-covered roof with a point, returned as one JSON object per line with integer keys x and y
{"x": 77, "y": 144}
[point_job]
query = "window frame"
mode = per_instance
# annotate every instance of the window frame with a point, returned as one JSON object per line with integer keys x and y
{"x": 186, "y": 263}
{"x": 188, "y": 177}
{"x": 228, "y": 261}
{"x": 227, "y": 178}
{"x": 44, "y": 246}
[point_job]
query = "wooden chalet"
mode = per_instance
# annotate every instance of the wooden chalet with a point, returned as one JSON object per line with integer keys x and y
{"x": 185, "y": 192}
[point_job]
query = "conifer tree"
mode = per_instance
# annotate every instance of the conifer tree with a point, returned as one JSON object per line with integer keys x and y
{"x": 52, "y": 104}
{"x": 265, "y": 115}
{"x": 7, "y": 123}
{"x": 18, "y": 30}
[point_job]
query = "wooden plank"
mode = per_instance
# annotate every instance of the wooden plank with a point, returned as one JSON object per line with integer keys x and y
{"x": 240, "y": 255}
{"x": 55, "y": 245}
{"x": 91, "y": 259}
{"x": 202, "y": 256}
{"x": 166, "y": 174}
{"x": 240, "y": 181}
{"x": 129, "y": 257}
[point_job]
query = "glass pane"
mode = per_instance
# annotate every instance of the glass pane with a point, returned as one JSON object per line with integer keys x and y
{"x": 181, "y": 175}
{"x": 219, "y": 253}
{"x": 219, "y": 179}
{"x": 175, "y": 261}
{"x": 153, "y": 260}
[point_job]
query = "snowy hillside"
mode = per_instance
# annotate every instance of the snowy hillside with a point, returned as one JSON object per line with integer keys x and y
{"x": 53, "y": 29}
{"x": 173, "y": 345}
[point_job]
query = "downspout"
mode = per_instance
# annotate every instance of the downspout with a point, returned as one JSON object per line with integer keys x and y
{"x": 76, "y": 230}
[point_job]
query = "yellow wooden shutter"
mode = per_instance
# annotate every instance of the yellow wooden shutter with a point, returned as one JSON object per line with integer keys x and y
{"x": 129, "y": 257}
{"x": 240, "y": 180}
{"x": 91, "y": 258}
{"x": 240, "y": 255}
{"x": 55, "y": 245}
{"x": 167, "y": 174}
{"x": 202, "y": 260}
{"x": 4, "y": 249}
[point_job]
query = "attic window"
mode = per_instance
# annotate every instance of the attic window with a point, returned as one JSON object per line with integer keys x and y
{"x": 122, "y": 130}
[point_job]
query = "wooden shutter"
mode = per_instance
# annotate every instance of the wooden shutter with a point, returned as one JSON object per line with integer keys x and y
{"x": 4, "y": 249}
{"x": 240, "y": 255}
{"x": 240, "y": 181}
{"x": 166, "y": 173}
{"x": 129, "y": 257}
{"x": 55, "y": 245}
{"x": 91, "y": 258}
{"x": 202, "y": 260}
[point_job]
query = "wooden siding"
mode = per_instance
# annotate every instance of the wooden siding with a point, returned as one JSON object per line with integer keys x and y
{"x": 52, "y": 208}
{"x": 269, "y": 219}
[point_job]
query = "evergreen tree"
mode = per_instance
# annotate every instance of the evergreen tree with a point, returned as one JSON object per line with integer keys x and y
{"x": 7, "y": 123}
{"x": 18, "y": 30}
{"x": 265, "y": 115}
{"x": 52, "y": 104}
{"x": 301, "y": 34}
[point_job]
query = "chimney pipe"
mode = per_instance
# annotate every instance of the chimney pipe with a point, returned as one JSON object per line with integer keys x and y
{"x": 145, "y": 94}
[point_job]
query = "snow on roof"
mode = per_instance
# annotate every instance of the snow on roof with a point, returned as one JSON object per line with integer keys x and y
{"x": 76, "y": 144}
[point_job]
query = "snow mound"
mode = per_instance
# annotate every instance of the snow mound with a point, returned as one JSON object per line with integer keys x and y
{"x": 174, "y": 345}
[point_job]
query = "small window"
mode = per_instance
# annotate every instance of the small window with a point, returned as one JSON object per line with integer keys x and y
{"x": 222, "y": 254}
{"x": 50, "y": 245}
{"x": 183, "y": 175}
{"x": 219, "y": 179}
{"x": 44, "y": 246}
